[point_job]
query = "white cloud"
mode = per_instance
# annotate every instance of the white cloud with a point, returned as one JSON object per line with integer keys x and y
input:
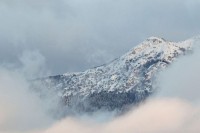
{"x": 20, "y": 108}
{"x": 155, "y": 116}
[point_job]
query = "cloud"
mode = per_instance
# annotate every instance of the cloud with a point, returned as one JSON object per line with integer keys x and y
{"x": 33, "y": 65}
{"x": 20, "y": 108}
{"x": 155, "y": 116}
{"x": 67, "y": 32}
{"x": 183, "y": 77}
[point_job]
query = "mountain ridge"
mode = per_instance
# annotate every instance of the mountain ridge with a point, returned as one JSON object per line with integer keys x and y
{"x": 125, "y": 81}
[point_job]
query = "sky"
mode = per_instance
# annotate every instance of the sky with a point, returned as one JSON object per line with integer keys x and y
{"x": 74, "y": 35}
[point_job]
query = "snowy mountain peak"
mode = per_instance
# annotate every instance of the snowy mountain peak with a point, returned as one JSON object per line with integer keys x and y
{"x": 155, "y": 40}
{"x": 124, "y": 81}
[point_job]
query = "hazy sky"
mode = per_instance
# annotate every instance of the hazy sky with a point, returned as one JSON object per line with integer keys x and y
{"x": 73, "y": 35}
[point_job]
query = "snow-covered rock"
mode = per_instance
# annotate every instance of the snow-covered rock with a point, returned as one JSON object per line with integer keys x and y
{"x": 124, "y": 81}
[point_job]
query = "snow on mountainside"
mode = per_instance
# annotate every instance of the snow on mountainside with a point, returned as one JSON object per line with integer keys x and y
{"x": 126, "y": 80}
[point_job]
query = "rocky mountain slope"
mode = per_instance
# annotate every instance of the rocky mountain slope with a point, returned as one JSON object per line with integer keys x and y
{"x": 126, "y": 80}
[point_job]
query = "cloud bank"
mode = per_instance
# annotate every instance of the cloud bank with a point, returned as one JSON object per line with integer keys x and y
{"x": 20, "y": 108}
{"x": 155, "y": 116}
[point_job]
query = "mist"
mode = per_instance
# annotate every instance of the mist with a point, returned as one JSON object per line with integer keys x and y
{"x": 20, "y": 108}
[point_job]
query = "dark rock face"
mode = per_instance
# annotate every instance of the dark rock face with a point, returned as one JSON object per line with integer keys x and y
{"x": 125, "y": 81}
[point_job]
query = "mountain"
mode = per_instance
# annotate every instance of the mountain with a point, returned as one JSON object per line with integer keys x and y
{"x": 124, "y": 81}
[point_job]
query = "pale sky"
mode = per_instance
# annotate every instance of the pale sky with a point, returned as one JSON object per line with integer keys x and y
{"x": 74, "y": 35}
